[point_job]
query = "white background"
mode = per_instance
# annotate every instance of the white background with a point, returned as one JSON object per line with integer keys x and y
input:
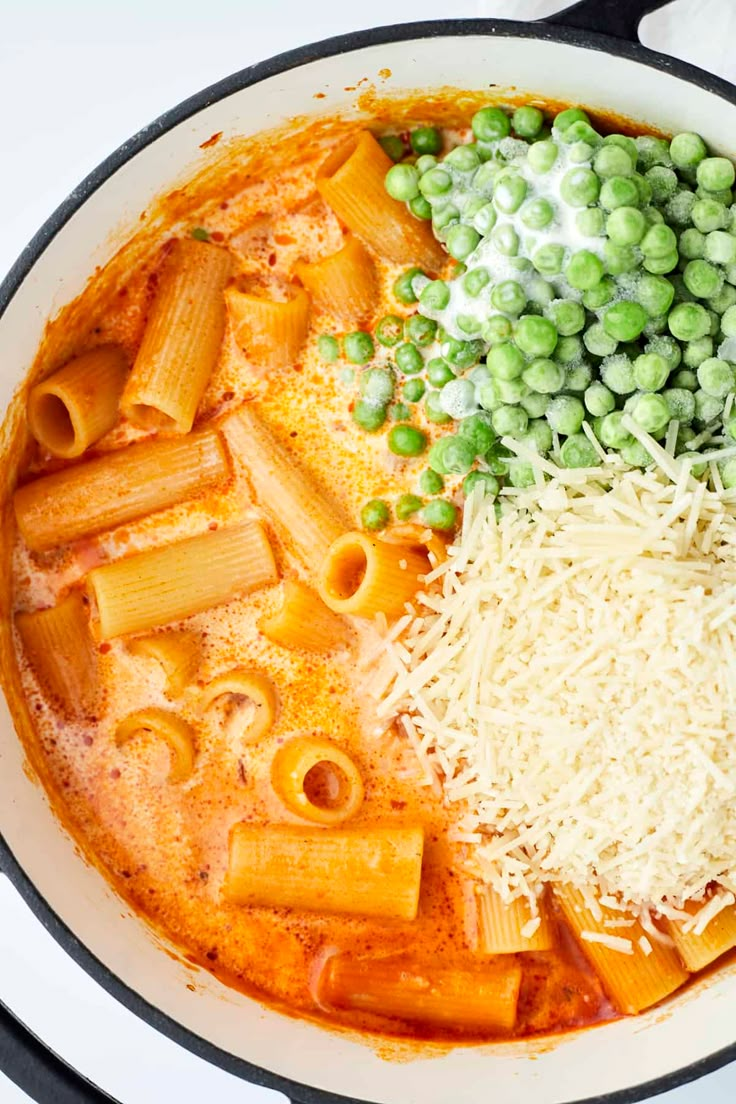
{"x": 78, "y": 77}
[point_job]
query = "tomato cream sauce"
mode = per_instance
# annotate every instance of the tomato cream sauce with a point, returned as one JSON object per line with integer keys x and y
{"x": 165, "y": 845}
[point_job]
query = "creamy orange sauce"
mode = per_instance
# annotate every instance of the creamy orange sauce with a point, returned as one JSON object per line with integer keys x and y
{"x": 163, "y": 845}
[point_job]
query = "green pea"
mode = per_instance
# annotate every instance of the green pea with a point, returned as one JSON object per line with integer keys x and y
{"x": 568, "y": 116}
{"x": 425, "y": 163}
{"x": 644, "y": 188}
{"x": 377, "y": 385}
{"x": 567, "y": 316}
{"x": 506, "y": 240}
{"x": 510, "y": 192}
{"x": 402, "y": 182}
{"x": 624, "y": 142}
{"x": 723, "y": 299}
{"x": 544, "y": 376}
{"x": 728, "y": 322}
{"x": 651, "y": 371}
{"x": 510, "y": 421}
{"x": 542, "y": 156}
{"x": 478, "y": 430}
{"x": 728, "y": 474}
{"x": 591, "y": 221}
{"x": 686, "y": 377}
{"x": 659, "y": 266}
{"x": 578, "y": 452}
{"x": 624, "y": 320}
{"x": 598, "y": 342}
{"x": 527, "y": 121}
{"x": 707, "y": 407}
{"x": 720, "y": 248}
{"x": 548, "y": 258}
{"x": 681, "y": 403}
{"x": 435, "y": 183}
{"x": 535, "y": 336}
{"x": 399, "y": 412}
{"x": 486, "y": 481}
{"x": 702, "y": 279}
{"x": 407, "y": 505}
{"x": 444, "y": 217}
{"x": 635, "y": 455}
{"x": 659, "y": 240}
{"x": 613, "y": 161}
{"x": 578, "y": 376}
{"x": 403, "y": 289}
{"x": 490, "y": 124}
{"x": 619, "y": 259}
{"x": 451, "y": 455}
{"x": 420, "y": 330}
{"x": 580, "y": 186}
{"x": 406, "y": 440}
{"x": 584, "y": 270}
{"x": 426, "y": 140}
{"x": 389, "y": 330}
{"x": 716, "y": 377}
{"x": 358, "y": 347}
{"x": 651, "y": 412}
{"x": 464, "y": 158}
{"x": 626, "y": 226}
{"x": 537, "y": 213}
{"x": 413, "y": 390}
{"x": 663, "y": 182}
{"x": 565, "y": 414}
{"x": 709, "y": 214}
{"x": 408, "y": 359}
{"x": 508, "y": 296}
{"x": 433, "y": 409}
{"x": 439, "y": 514}
{"x": 655, "y": 294}
{"x": 420, "y": 207}
{"x": 462, "y": 354}
{"x": 538, "y": 435}
{"x": 652, "y": 151}
{"x": 375, "y": 514}
{"x": 475, "y": 280}
{"x": 569, "y": 350}
{"x": 613, "y": 433}
{"x": 439, "y": 372}
{"x": 435, "y": 295}
{"x": 540, "y": 291}
{"x": 535, "y": 404}
{"x": 328, "y": 348}
{"x": 596, "y": 297}
{"x": 724, "y": 196}
{"x": 598, "y": 400}
{"x": 715, "y": 174}
{"x": 667, "y": 347}
{"x": 687, "y": 150}
{"x": 510, "y": 391}
{"x": 691, "y": 244}
{"x": 619, "y": 191}
{"x": 430, "y": 482}
{"x": 617, "y": 373}
{"x": 461, "y": 241}
{"x": 393, "y": 146}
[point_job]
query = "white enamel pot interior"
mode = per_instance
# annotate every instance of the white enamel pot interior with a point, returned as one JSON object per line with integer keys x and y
{"x": 618, "y": 1062}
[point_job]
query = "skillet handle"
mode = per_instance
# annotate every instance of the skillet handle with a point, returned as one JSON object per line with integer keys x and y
{"x": 617, "y": 18}
{"x": 39, "y": 1072}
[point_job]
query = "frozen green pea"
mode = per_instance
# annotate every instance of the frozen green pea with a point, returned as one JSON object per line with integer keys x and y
{"x": 715, "y": 174}
{"x": 624, "y": 142}
{"x": 548, "y": 259}
{"x": 697, "y": 467}
{"x": 486, "y": 481}
{"x": 425, "y": 163}
{"x": 389, "y": 330}
{"x": 723, "y": 299}
{"x": 617, "y": 373}
{"x": 596, "y": 297}
{"x": 462, "y": 354}
{"x": 510, "y": 192}
{"x": 618, "y": 191}
{"x": 464, "y": 158}
{"x": 598, "y": 399}
{"x": 612, "y": 161}
{"x": 542, "y": 156}
{"x": 728, "y": 474}
{"x": 420, "y": 330}
{"x": 707, "y": 407}
{"x": 567, "y": 316}
{"x": 439, "y": 514}
{"x": 730, "y": 426}
{"x": 426, "y": 140}
{"x": 613, "y": 433}
{"x": 540, "y": 291}
{"x": 702, "y": 279}
{"x": 650, "y": 372}
{"x": 475, "y": 281}
{"x": 510, "y": 421}
{"x": 478, "y": 430}
{"x": 457, "y": 398}
{"x": 659, "y": 240}
{"x": 619, "y": 259}
{"x": 527, "y": 121}
{"x": 728, "y": 322}
{"x": 652, "y": 151}
{"x": 377, "y": 384}
{"x": 469, "y": 324}
{"x": 578, "y": 452}
{"x": 461, "y": 241}
{"x": 393, "y": 146}
{"x": 451, "y": 455}
{"x": 413, "y": 390}
{"x": 689, "y": 321}
{"x": 568, "y": 116}
{"x": 565, "y": 414}
{"x": 655, "y": 294}
{"x": 439, "y": 372}
{"x": 591, "y": 221}
{"x": 687, "y": 150}
{"x": 510, "y": 391}
{"x": 407, "y": 505}
{"x": 420, "y": 207}
{"x": 569, "y": 350}
{"x": 505, "y": 361}
{"x": 544, "y": 376}
{"x": 635, "y": 455}
{"x": 643, "y": 187}
{"x": 624, "y": 320}
{"x": 408, "y": 359}
{"x": 496, "y": 328}
{"x": 509, "y": 297}
{"x": 716, "y": 377}
{"x": 375, "y": 514}
{"x": 435, "y": 295}
{"x": 580, "y": 132}
{"x": 659, "y": 266}
{"x": 406, "y": 440}
{"x": 399, "y": 412}
{"x": 580, "y": 187}
{"x": 435, "y": 183}
{"x": 709, "y": 214}
{"x": 535, "y": 404}
{"x": 402, "y": 182}
{"x": 578, "y": 376}
{"x": 537, "y": 213}
{"x": 626, "y": 226}
{"x": 328, "y": 348}
{"x": 686, "y": 379}
{"x": 663, "y": 182}
{"x": 485, "y": 219}
{"x": 444, "y": 217}
{"x": 506, "y": 240}
{"x": 358, "y": 347}
{"x": 656, "y": 325}
{"x": 433, "y": 409}
{"x": 403, "y": 287}
{"x": 681, "y": 403}
{"x": 535, "y": 336}
{"x": 724, "y": 196}
{"x": 431, "y": 482}
{"x": 691, "y": 244}
{"x": 584, "y": 270}
{"x": 720, "y": 247}
{"x": 369, "y": 415}
{"x": 667, "y": 347}
{"x": 580, "y": 152}
{"x": 490, "y": 124}
{"x": 598, "y": 342}
{"x": 679, "y": 208}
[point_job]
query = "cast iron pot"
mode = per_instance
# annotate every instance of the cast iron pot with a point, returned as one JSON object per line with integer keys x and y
{"x": 588, "y": 53}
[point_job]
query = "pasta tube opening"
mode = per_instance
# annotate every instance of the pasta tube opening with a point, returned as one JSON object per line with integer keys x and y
{"x": 177, "y": 653}
{"x": 169, "y": 727}
{"x": 248, "y": 702}
{"x": 317, "y": 780}
{"x": 363, "y": 575}
{"x": 271, "y": 331}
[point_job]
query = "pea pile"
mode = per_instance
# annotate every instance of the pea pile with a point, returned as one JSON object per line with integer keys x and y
{"x": 594, "y": 276}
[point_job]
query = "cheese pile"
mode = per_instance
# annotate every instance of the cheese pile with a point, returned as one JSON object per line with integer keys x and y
{"x": 573, "y": 682}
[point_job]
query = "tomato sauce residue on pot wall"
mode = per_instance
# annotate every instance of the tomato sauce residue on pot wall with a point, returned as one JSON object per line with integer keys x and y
{"x": 164, "y": 845}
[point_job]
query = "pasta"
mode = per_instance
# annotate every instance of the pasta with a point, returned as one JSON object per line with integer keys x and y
{"x": 182, "y": 339}
{"x": 250, "y": 700}
{"x": 359, "y": 872}
{"x": 178, "y": 653}
{"x": 299, "y": 512}
{"x": 166, "y": 726}
{"x": 272, "y": 331}
{"x": 477, "y": 999}
{"x": 362, "y": 575}
{"x": 343, "y": 284}
{"x": 304, "y": 621}
{"x": 642, "y": 973}
{"x": 508, "y": 927}
{"x": 77, "y": 405}
{"x": 317, "y": 780}
{"x": 118, "y": 487}
{"x": 168, "y": 584}
{"x": 698, "y": 950}
{"x": 59, "y": 647}
{"x": 351, "y": 181}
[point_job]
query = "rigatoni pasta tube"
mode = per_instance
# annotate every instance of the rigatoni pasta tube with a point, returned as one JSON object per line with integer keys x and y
{"x": 118, "y": 487}
{"x": 363, "y": 575}
{"x": 480, "y": 999}
{"x": 698, "y": 950}
{"x": 168, "y": 584}
{"x": 271, "y": 331}
{"x": 243, "y": 693}
{"x": 166, "y": 726}
{"x": 300, "y": 513}
{"x": 343, "y": 284}
{"x": 317, "y": 780}
{"x": 636, "y": 970}
{"x": 359, "y": 872}
{"x": 178, "y": 653}
{"x": 182, "y": 339}
{"x": 74, "y": 407}
{"x": 304, "y": 621}
{"x": 502, "y": 924}
{"x": 60, "y": 650}
{"x": 351, "y": 181}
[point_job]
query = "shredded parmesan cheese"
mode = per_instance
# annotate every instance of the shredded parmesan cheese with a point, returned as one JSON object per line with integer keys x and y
{"x": 572, "y": 682}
